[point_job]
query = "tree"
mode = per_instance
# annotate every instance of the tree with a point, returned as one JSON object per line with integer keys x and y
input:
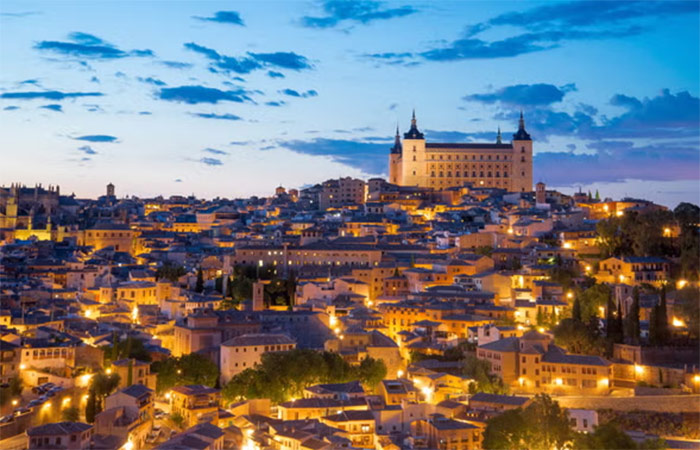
{"x": 576, "y": 310}
{"x": 178, "y": 420}
{"x": 612, "y": 331}
{"x": 542, "y": 425}
{"x": 578, "y": 337}
{"x": 91, "y": 406}
{"x": 71, "y": 414}
{"x": 658, "y": 322}
{"x": 592, "y": 299}
{"x": 688, "y": 308}
{"x": 609, "y": 436}
{"x": 633, "y": 327}
{"x": 548, "y": 424}
{"x": 480, "y": 371}
{"x": 199, "y": 287}
{"x": 170, "y": 271}
{"x": 505, "y": 431}
{"x": 371, "y": 371}
{"x": 128, "y": 348}
{"x": 187, "y": 369}
{"x": 284, "y": 375}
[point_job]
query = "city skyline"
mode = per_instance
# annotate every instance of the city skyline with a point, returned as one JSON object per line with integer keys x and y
{"x": 231, "y": 100}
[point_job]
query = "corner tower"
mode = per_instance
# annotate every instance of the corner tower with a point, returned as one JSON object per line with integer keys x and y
{"x": 413, "y": 165}
{"x": 522, "y": 159}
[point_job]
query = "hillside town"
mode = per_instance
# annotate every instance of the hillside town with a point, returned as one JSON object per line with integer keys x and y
{"x": 347, "y": 315}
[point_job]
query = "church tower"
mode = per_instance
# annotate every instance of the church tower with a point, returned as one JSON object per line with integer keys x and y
{"x": 395, "y": 160}
{"x": 413, "y": 166}
{"x": 522, "y": 159}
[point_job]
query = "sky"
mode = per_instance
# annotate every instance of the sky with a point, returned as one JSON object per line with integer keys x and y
{"x": 231, "y": 99}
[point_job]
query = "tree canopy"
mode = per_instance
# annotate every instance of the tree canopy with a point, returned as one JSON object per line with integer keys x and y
{"x": 187, "y": 369}
{"x": 281, "y": 376}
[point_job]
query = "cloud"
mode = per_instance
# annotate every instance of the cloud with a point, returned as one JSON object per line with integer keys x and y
{"x": 214, "y": 151}
{"x": 664, "y": 116}
{"x": 151, "y": 80}
{"x": 584, "y": 14}
{"x": 250, "y": 62}
{"x": 19, "y": 14}
{"x": 231, "y": 17}
{"x": 368, "y": 157}
{"x": 97, "y": 138}
{"x": 145, "y": 113}
{"x": 201, "y": 94}
{"x": 547, "y": 27}
{"x": 178, "y": 180}
{"x": 459, "y": 136}
{"x": 615, "y": 161}
{"x": 293, "y": 93}
{"x": 524, "y": 94}
{"x": 211, "y": 161}
{"x": 10, "y": 108}
{"x": 87, "y": 150}
{"x": 32, "y": 82}
{"x": 53, "y": 107}
{"x": 48, "y": 95}
{"x": 86, "y": 45}
{"x": 239, "y": 142}
{"x": 276, "y": 103}
{"x": 336, "y": 12}
{"x": 176, "y": 64}
{"x": 216, "y": 116}
{"x": 273, "y": 74}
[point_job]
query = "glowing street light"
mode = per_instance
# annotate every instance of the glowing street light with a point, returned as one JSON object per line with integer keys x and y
{"x": 108, "y": 371}
{"x": 678, "y": 323}
{"x": 15, "y": 402}
{"x": 569, "y": 294}
{"x": 681, "y": 284}
{"x": 639, "y": 370}
{"x": 399, "y": 373}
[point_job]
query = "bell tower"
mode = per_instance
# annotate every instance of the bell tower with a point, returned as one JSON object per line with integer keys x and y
{"x": 413, "y": 167}
{"x": 522, "y": 159}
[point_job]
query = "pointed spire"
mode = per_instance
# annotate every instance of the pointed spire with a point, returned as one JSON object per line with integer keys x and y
{"x": 498, "y": 136}
{"x": 521, "y": 135}
{"x": 397, "y": 141}
{"x": 413, "y": 132}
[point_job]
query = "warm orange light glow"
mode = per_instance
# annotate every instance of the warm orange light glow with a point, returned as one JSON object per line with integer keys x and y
{"x": 569, "y": 294}
{"x": 681, "y": 284}
{"x": 619, "y": 214}
{"x": 558, "y": 381}
{"x": 638, "y": 369}
{"x": 567, "y": 244}
{"x": 696, "y": 379}
{"x": 667, "y": 232}
{"x": 678, "y": 323}
{"x": 108, "y": 371}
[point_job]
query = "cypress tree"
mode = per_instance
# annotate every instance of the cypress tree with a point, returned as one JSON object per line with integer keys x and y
{"x": 619, "y": 328}
{"x": 199, "y": 287}
{"x": 91, "y": 406}
{"x": 633, "y": 318}
{"x": 576, "y": 310}
{"x": 662, "y": 318}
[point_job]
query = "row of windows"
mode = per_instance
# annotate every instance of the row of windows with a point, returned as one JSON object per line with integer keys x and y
{"x": 268, "y": 348}
{"x": 466, "y": 174}
{"x": 466, "y": 157}
{"x": 105, "y": 234}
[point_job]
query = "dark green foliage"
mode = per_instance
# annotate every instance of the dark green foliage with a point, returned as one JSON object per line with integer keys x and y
{"x": 199, "y": 286}
{"x": 688, "y": 308}
{"x": 13, "y": 390}
{"x": 187, "y": 369}
{"x": 632, "y": 327}
{"x": 486, "y": 250}
{"x": 609, "y": 436}
{"x": 170, "y": 271}
{"x": 128, "y": 348}
{"x": 479, "y": 370}
{"x": 659, "y": 331}
{"x": 178, "y": 420}
{"x": 542, "y": 425}
{"x": 284, "y": 375}
{"x": 613, "y": 328}
{"x": 578, "y": 337}
{"x": 576, "y": 310}
{"x": 91, "y": 406}
{"x": 592, "y": 299}
{"x": 101, "y": 386}
{"x": 71, "y": 414}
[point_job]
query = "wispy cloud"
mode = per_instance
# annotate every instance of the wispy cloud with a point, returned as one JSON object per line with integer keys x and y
{"x": 211, "y": 161}
{"x": 87, "y": 150}
{"x": 176, "y": 64}
{"x": 337, "y": 12}
{"x": 104, "y": 138}
{"x": 215, "y": 151}
{"x": 52, "y": 107}
{"x": 216, "y": 116}
{"x": 545, "y": 28}
{"x": 293, "y": 93}
{"x": 201, "y": 94}
{"x": 273, "y": 74}
{"x": 85, "y": 45}
{"x": 524, "y": 94}
{"x": 47, "y": 95}
{"x": 151, "y": 80}
{"x": 230, "y": 17}
{"x": 252, "y": 61}
{"x": 366, "y": 156}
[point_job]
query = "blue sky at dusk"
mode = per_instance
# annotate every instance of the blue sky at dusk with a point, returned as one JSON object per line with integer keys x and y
{"x": 234, "y": 98}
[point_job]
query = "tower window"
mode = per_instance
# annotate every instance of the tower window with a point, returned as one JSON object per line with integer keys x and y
{"x": 414, "y": 157}
{"x": 498, "y": 174}
{"x": 473, "y": 157}
{"x": 474, "y": 174}
{"x": 414, "y": 148}
{"x": 497, "y": 157}
{"x": 481, "y": 174}
{"x": 481, "y": 157}
{"x": 522, "y": 159}
{"x": 449, "y": 174}
{"x": 414, "y": 172}
{"x": 440, "y": 156}
{"x": 442, "y": 174}
{"x": 489, "y": 157}
{"x": 522, "y": 149}
{"x": 432, "y": 174}
{"x": 489, "y": 175}
{"x": 522, "y": 174}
